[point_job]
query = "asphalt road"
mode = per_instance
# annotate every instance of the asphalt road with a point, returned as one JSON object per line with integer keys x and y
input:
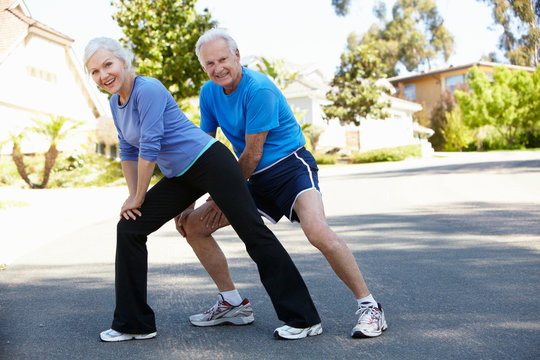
{"x": 449, "y": 245}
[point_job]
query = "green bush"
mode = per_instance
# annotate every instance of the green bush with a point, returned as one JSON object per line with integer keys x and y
{"x": 532, "y": 139}
{"x": 87, "y": 170}
{"x": 456, "y": 134}
{"x": 493, "y": 140}
{"x": 5, "y": 204}
{"x": 387, "y": 154}
{"x": 325, "y": 159}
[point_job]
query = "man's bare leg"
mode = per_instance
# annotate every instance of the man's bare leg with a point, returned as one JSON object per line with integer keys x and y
{"x": 206, "y": 248}
{"x": 198, "y": 226}
{"x": 309, "y": 208}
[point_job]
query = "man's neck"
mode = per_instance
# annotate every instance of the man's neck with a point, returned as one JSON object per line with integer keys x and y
{"x": 232, "y": 88}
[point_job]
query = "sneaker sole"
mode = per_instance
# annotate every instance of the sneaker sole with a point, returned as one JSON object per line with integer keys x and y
{"x": 246, "y": 320}
{"x": 314, "y": 332}
{"x": 359, "y": 334}
{"x": 128, "y": 337}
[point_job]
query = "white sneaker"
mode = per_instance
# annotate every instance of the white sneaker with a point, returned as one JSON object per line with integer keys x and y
{"x": 224, "y": 313}
{"x": 371, "y": 322}
{"x": 290, "y": 333}
{"x": 113, "y": 335}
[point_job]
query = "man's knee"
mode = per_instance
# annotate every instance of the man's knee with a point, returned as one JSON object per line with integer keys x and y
{"x": 195, "y": 228}
{"x": 320, "y": 235}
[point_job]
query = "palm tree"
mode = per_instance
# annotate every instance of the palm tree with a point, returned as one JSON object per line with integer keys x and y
{"x": 54, "y": 130}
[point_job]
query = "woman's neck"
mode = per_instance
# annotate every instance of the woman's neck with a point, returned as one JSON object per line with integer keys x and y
{"x": 124, "y": 92}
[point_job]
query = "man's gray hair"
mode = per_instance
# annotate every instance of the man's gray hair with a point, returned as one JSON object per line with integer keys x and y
{"x": 214, "y": 34}
{"x": 107, "y": 44}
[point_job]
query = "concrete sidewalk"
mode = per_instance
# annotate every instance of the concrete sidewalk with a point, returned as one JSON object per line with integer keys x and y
{"x": 50, "y": 214}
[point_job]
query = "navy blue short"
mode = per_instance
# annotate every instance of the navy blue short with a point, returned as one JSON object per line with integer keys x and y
{"x": 276, "y": 188}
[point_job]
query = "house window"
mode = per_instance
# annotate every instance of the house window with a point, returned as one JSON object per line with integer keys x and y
{"x": 41, "y": 74}
{"x": 101, "y": 148}
{"x": 409, "y": 92}
{"x": 113, "y": 152}
{"x": 452, "y": 81}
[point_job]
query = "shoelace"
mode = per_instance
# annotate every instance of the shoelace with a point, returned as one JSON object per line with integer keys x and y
{"x": 213, "y": 309}
{"x": 373, "y": 314}
{"x": 217, "y": 306}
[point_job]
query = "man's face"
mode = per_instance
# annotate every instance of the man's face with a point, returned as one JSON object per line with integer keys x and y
{"x": 221, "y": 65}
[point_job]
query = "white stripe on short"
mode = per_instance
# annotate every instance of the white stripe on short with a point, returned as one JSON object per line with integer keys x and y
{"x": 301, "y": 192}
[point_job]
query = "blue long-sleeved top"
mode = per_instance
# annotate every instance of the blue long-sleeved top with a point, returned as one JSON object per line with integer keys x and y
{"x": 151, "y": 126}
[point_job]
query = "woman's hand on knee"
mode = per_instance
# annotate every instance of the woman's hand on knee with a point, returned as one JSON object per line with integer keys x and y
{"x": 130, "y": 208}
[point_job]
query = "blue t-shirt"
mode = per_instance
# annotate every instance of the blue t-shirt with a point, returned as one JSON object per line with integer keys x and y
{"x": 151, "y": 126}
{"x": 255, "y": 106}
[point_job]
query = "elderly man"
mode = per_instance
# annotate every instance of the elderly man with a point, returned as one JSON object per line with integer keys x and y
{"x": 282, "y": 177}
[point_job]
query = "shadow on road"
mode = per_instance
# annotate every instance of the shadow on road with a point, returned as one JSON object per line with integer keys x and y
{"x": 456, "y": 283}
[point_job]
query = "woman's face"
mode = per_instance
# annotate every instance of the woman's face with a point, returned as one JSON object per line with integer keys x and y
{"x": 109, "y": 72}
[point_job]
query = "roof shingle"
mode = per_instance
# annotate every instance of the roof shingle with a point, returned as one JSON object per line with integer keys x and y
{"x": 14, "y": 24}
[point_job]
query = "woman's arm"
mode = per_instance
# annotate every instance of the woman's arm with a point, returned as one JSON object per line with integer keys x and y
{"x": 138, "y": 176}
{"x": 129, "y": 169}
{"x": 144, "y": 174}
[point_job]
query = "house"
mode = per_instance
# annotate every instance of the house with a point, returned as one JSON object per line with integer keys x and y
{"x": 307, "y": 95}
{"x": 426, "y": 87}
{"x": 41, "y": 77}
{"x": 398, "y": 129}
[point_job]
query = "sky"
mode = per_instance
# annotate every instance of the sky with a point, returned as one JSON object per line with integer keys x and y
{"x": 304, "y": 32}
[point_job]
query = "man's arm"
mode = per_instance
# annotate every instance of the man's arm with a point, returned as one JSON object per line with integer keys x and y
{"x": 252, "y": 153}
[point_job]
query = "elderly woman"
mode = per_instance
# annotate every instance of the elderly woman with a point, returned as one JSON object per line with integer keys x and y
{"x": 152, "y": 129}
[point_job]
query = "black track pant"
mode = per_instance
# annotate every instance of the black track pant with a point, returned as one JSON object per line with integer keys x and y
{"x": 216, "y": 172}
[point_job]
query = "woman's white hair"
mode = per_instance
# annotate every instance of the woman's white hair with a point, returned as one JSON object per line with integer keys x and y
{"x": 107, "y": 44}
{"x": 214, "y": 34}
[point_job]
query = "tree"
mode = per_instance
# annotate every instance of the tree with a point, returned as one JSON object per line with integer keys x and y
{"x": 341, "y": 7}
{"x": 456, "y": 134}
{"x": 356, "y": 92}
{"x": 521, "y": 34}
{"x": 535, "y": 99}
{"x": 438, "y": 118}
{"x": 54, "y": 130}
{"x": 162, "y": 35}
{"x": 415, "y": 35}
{"x": 506, "y": 103}
{"x": 532, "y": 136}
{"x": 277, "y": 71}
{"x": 313, "y": 133}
